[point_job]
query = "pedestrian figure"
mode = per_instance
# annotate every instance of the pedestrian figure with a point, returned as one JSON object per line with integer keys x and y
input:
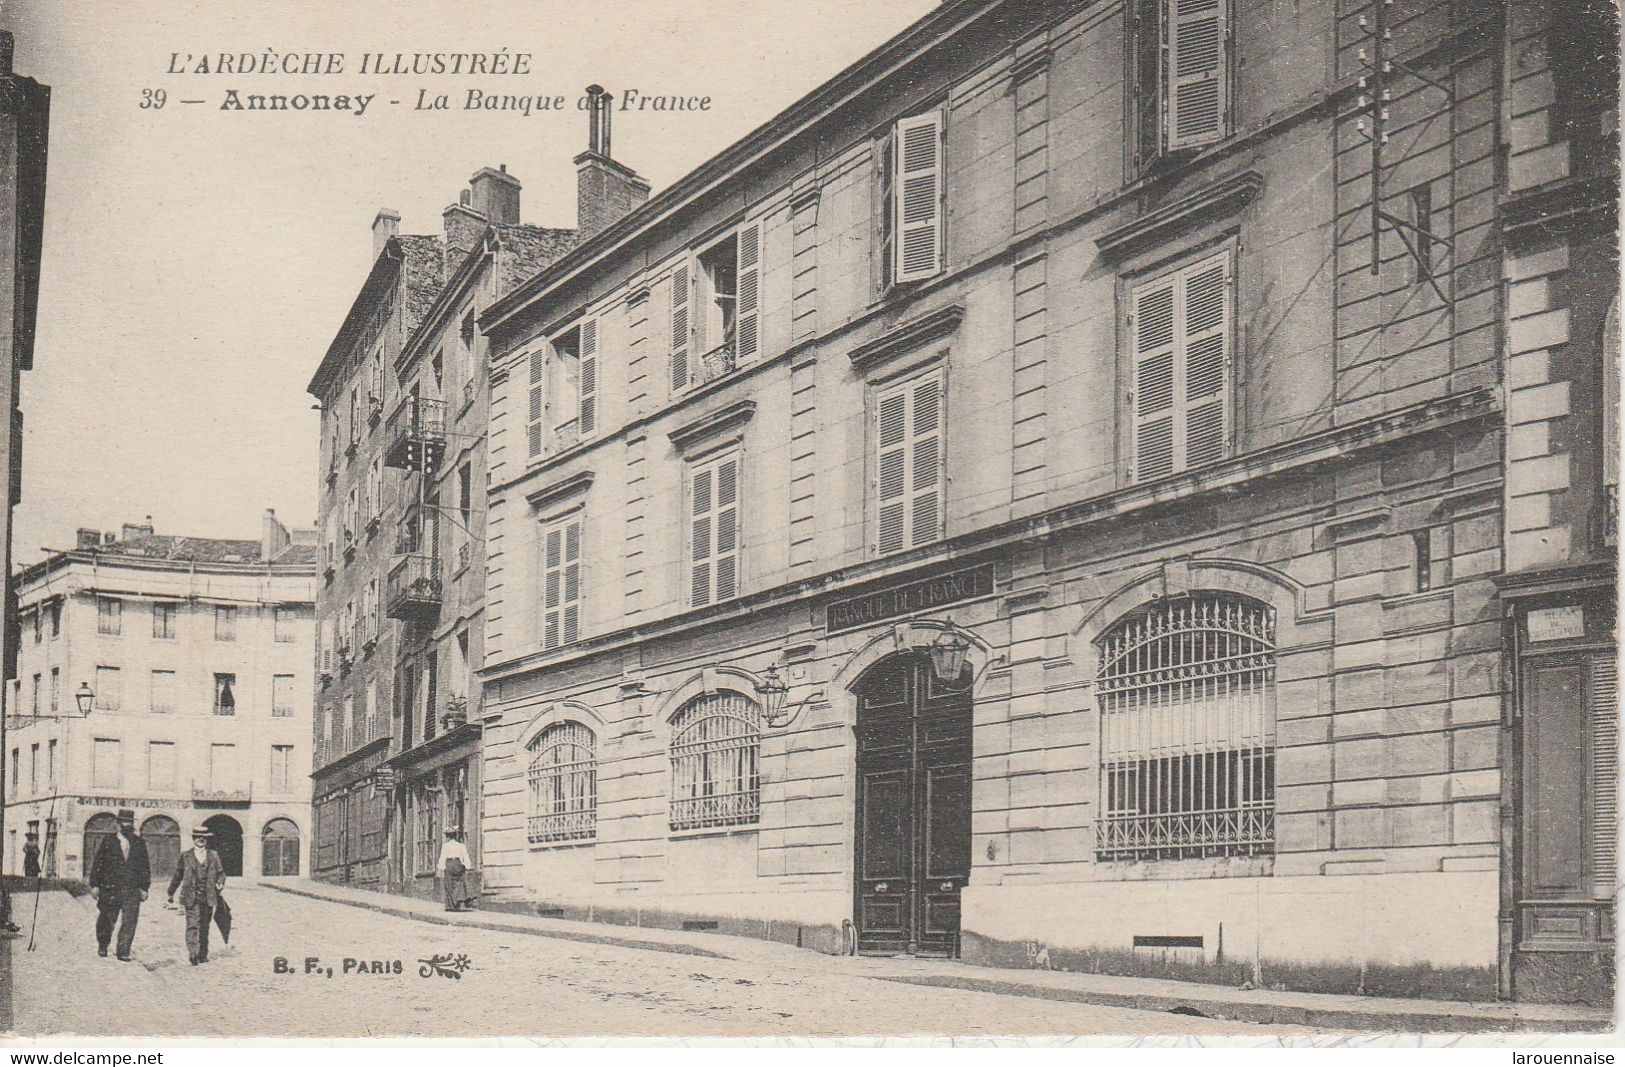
{"x": 454, "y": 863}
{"x": 119, "y": 880}
{"x": 200, "y": 876}
{"x": 31, "y": 856}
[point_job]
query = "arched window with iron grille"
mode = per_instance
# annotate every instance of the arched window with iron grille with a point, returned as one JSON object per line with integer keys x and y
{"x": 715, "y": 745}
{"x": 1187, "y": 730}
{"x": 563, "y": 784}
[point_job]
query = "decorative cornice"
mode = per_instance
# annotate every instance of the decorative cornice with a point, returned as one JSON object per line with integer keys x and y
{"x": 908, "y": 336}
{"x": 554, "y": 492}
{"x": 1218, "y": 200}
{"x": 713, "y": 423}
{"x": 1371, "y": 520}
{"x": 802, "y": 199}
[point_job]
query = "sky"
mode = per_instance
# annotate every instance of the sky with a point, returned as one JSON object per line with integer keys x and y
{"x": 198, "y": 261}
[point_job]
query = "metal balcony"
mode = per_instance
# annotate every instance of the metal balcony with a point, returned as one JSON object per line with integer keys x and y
{"x": 413, "y": 590}
{"x": 217, "y": 795}
{"x": 416, "y": 435}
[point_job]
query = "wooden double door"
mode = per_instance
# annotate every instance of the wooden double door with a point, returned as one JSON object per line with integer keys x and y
{"x": 913, "y": 808}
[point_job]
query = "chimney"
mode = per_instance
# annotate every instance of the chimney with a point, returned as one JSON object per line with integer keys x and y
{"x": 496, "y": 195}
{"x": 605, "y": 190}
{"x": 134, "y": 531}
{"x": 385, "y": 224}
{"x": 86, "y": 538}
{"x": 463, "y": 227}
{"x": 109, "y": 538}
{"x": 273, "y": 537}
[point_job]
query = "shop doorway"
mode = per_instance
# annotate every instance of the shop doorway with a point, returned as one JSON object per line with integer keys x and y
{"x": 279, "y": 851}
{"x": 226, "y": 835}
{"x": 98, "y": 828}
{"x": 163, "y": 837}
{"x": 913, "y": 807}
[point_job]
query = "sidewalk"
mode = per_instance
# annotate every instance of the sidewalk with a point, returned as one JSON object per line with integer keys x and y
{"x": 1318, "y": 1010}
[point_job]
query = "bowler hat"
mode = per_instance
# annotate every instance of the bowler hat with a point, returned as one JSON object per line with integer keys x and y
{"x": 201, "y": 830}
{"x": 126, "y": 815}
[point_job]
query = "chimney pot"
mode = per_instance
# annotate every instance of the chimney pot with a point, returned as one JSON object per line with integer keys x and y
{"x": 605, "y": 189}
{"x": 385, "y": 224}
{"x": 495, "y": 194}
{"x": 84, "y": 537}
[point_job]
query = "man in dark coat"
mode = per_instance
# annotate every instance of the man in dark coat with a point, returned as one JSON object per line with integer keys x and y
{"x": 200, "y": 876}
{"x": 119, "y": 880}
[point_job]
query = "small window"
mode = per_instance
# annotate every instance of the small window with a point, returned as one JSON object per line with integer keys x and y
{"x": 225, "y": 697}
{"x": 282, "y": 696}
{"x": 225, "y": 622}
{"x": 908, "y": 464}
{"x": 561, "y": 584}
{"x": 56, "y": 689}
{"x": 1179, "y": 388}
{"x": 109, "y": 616}
{"x": 1421, "y": 239}
{"x": 163, "y": 621}
{"x": 563, "y": 784}
{"x": 1422, "y": 559}
{"x": 284, "y": 620}
{"x": 56, "y": 619}
{"x": 715, "y": 749}
{"x": 39, "y": 684}
{"x": 39, "y": 625}
{"x": 713, "y": 531}
{"x": 109, "y": 690}
{"x": 163, "y": 692}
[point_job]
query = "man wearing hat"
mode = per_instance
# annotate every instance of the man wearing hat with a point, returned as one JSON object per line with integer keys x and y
{"x": 454, "y": 872}
{"x": 119, "y": 880}
{"x": 200, "y": 876}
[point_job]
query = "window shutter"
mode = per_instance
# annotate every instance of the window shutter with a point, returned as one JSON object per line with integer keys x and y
{"x": 679, "y": 328}
{"x": 1207, "y": 362}
{"x": 891, "y": 465}
{"x": 918, "y": 196}
{"x": 726, "y": 555}
{"x": 1180, "y": 397}
{"x": 699, "y": 530}
{"x": 1195, "y": 72}
{"x": 925, "y": 461}
{"x": 748, "y": 280}
{"x": 1604, "y": 775}
{"x": 572, "y": 582}
{"x": 538, "y": 402}
{"x": 561, "y": 584}
{"x": 888, "y": 210}
{"x": 552, "y": 587}
{"x": 587, "y": 379}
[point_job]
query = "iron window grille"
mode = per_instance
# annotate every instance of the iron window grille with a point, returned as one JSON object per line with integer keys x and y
{"x": 715, "y": 751}
{"x": 1187, "y": 730}
{"x": 563, "y": 784}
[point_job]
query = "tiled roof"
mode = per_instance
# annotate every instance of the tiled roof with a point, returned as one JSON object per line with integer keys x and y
{"x": 533, "y": 248}
{"x": 298, "y": 554}
{"x": 200, "y": 549}
{"x": 421, "y": 266}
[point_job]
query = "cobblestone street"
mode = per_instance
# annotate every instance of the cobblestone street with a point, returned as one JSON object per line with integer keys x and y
{"x": 517, "y": 984}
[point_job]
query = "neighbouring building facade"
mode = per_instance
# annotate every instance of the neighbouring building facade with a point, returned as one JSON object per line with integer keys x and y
{"x": 25, "y": 109}
{"x": 170, "y": 675}
{"x": 1045, "y": 497}
{"x": 404, "y": 394}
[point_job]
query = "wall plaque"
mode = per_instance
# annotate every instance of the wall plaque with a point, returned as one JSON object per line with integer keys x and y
{"x": 1557, "y": 624}
{"x": 902, "y": 600}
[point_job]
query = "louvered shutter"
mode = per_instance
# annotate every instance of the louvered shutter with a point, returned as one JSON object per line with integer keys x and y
{"x": 726, "y": 553}
{"x": 552, "y": 587}
{"x": 748, "y": 279}
{"x": 572, "y": 581}
{"x": 587, "y": 379}
{"x": 925, "y": 461}
{"x": 1197, "y": 97}
{"x": 918, "y": 196}
{"x": 1152, "y": 397}
{"x": 699, "y": 529}
{"x": 538, "y": 403}
{"x": 1604, "y": 775}
{"x": 679, "y": 328}
{"x": 891, "y": 465}
{"x": 1206, "y": 361}
{"x": 1180, "y": 399}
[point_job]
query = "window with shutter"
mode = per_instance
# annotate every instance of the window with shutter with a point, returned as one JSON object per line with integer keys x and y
{"x": 908, "y": 464}
{"x": 714, "y": 531}
{"x": 748, "y": 281}
{"x": 679, "y": 328}
{"x": 536, "y": 422}
{"x": 1195, "y": 75}
{"x": 561, "y": 584}
{"x": 1179, "y": 397}
{"x": 587, "y": 380}
{"x": 917, "y": 196}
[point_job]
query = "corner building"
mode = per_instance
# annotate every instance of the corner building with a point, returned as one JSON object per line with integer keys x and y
{"x": 1036, "y": 499}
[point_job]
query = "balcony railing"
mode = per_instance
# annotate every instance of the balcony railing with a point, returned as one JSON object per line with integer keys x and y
{"x": 717, "y": 362}
{"x": 213, "y": 793}
{"x": 413, "y": 590}
{"x": 416, "y": 433}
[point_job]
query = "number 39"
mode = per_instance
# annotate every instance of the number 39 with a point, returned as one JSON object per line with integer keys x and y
{"x": 153, "y": 98}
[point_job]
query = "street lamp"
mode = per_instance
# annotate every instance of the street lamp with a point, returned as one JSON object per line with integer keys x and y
{"x": 84, "y": 697}
{"x": 772, "y": 690}
{"x": 948, "y": 654}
